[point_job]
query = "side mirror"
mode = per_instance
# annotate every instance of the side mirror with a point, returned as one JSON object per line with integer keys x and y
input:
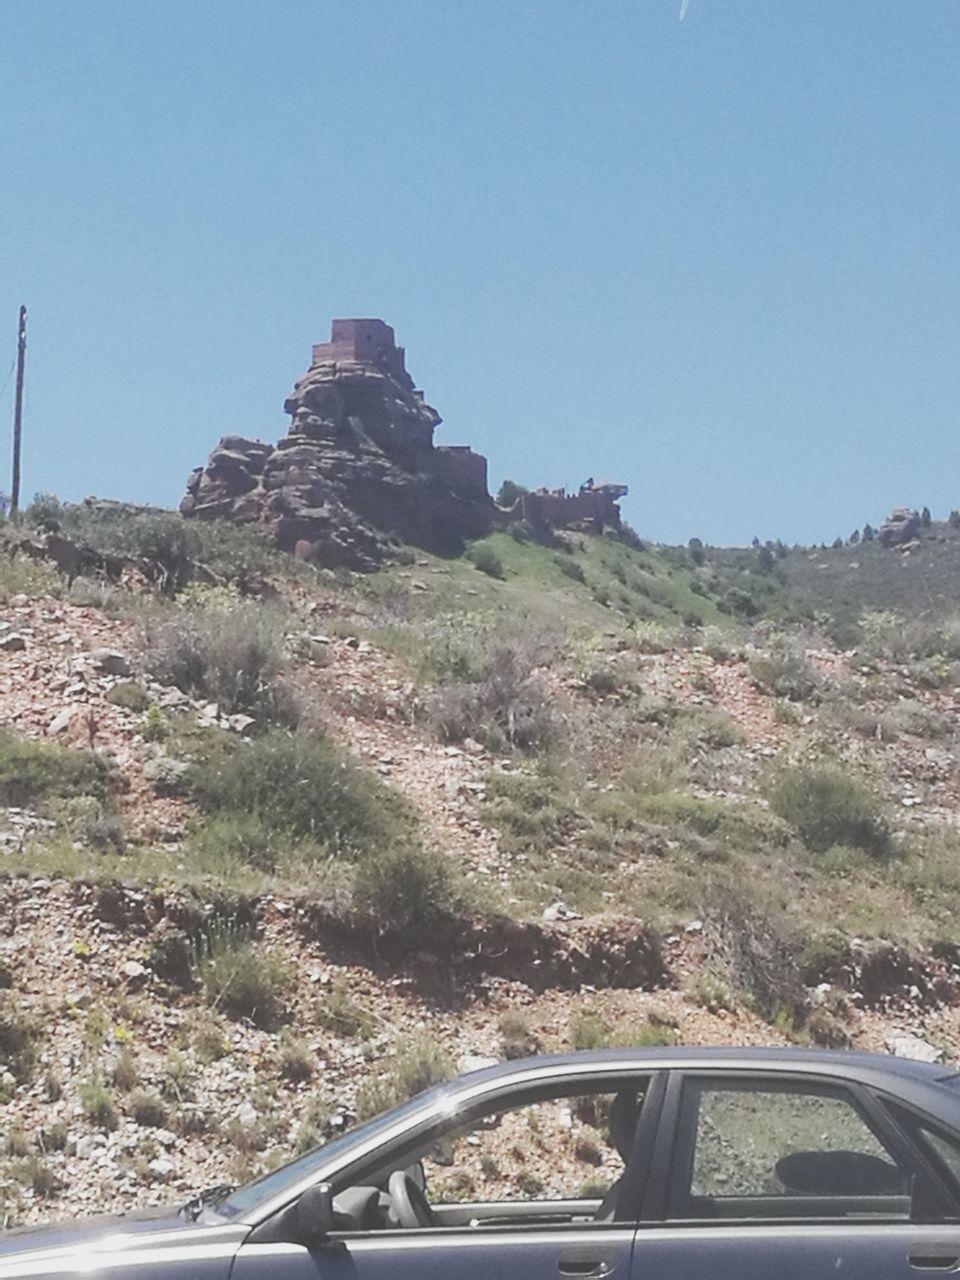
{"x": 314, "y": 1214}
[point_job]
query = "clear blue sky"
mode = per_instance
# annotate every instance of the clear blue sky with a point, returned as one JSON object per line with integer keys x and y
{"x": 716, "y": 258}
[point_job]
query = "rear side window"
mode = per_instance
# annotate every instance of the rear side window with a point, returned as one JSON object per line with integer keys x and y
{"x": 947, "y": 1148}
{"x": 769, "y": 1151}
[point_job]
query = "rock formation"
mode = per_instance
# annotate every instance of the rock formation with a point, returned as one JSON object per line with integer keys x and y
{"x": 902, "y": 525}
{"x": 358, "y": 466}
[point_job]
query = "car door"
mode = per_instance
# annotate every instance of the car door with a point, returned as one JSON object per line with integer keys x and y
{"x": 799, "y": 1178}
{"x": 544, "y": 1227}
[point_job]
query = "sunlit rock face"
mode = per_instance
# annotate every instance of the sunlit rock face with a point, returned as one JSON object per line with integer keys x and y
{"x": 357, "y": 470}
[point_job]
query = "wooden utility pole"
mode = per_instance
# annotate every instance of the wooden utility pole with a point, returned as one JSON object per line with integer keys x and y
{"x": 18, "y": 412}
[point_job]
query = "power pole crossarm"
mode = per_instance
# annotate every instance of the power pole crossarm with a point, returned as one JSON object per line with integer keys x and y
{"x": 18, "y": 411}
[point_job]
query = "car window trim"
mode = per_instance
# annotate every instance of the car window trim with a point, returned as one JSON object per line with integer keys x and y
{"x": 661, "y": 1185}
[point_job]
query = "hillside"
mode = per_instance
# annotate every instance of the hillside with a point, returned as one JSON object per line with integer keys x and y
{"x": 283, "y": 843}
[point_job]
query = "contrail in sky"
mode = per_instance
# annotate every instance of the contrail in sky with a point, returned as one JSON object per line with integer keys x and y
{"x": 683, "y": 9}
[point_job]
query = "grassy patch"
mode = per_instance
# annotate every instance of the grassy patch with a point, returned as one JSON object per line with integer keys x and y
{"x": 303, "y": 786}
{"x": 19, "y": 1039}
{"x": 418, "y": 1064}
{"x": 245, "y": 980}
{"x": 340, "y": 1012}
{"x": 35, "y": 771}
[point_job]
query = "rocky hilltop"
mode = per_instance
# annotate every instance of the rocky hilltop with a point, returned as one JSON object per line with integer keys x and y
{"x": 358, "y": 466}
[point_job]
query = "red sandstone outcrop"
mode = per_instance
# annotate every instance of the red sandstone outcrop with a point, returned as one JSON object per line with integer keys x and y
{"x": 358, "y": 466}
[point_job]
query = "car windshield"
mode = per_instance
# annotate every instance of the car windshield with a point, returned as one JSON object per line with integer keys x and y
{"x": 271, "y": 1184}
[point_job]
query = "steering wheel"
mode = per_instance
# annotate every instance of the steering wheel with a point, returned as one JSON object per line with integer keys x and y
{"x": 409, "y": 1204}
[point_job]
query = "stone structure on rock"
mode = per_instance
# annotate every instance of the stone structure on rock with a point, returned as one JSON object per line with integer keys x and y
{"x": 594, "y": 506}
{"x": 357, "y": 467}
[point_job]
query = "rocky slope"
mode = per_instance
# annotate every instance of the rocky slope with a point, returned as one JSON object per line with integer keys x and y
{"x": 138, "y": 1079}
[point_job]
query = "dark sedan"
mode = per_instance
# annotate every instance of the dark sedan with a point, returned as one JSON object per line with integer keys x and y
{"x": 673, "y": 1164}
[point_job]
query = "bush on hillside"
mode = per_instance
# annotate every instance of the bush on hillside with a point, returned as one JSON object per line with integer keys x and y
{"x": 418, "y": 1065}
{"x": 508, "y": 704}
{"x": 755, "y": 950}
{"x": 531, "y": 811}
{"x": 232, "y": 656}
{"x": 237, "y": 554}
{"x": 784, "y": 672}
{"x": 244, "y": 980}
{"x": 827, "y": 807}
{"x": 34, "y": 771}
{"x": 19, "y": 1039}
{"x": 404, "y": 888}
{"x": 487, "y": 561}
{"x": 302, "y": 785}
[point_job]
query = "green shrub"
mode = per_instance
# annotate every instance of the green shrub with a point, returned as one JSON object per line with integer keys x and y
{"x": 784, "y": 673}
{"x": 404, "y": 888}
{"x": 532, "y": 811}
{"x": 914, "y": 717}
{"x": 339, "y": 1012}
{"x": 487, "y": 561}
{"x": 97, "y": 1102}
{"x": 147, "y": 1109}
{"x": 303, "y": 786}
{"x": 296, "y": 1062}
{"x": 602, "y": 680}
{"x": 647, "y": 1034}
{"x": 738, "y": 824}
{"x": 125, "y": 1073}
{"x": 34, "y": 771}
{"x": 509, "y": 492}
{"x": 418, "y": 1065}
{"x": 245, "y": 980}
{"x": 828, "y": 807}
{"x": 230, "y": 838}
{"x": 154, "y": 726}
{"x": 237, "y": 554}
{"x": 517, "y": 1038}
{"x": 129, "y": 695}
{"x": 37, "y": 1175}
{"x": 712, "y": 992}
{"x": 19, "y": 1039}
{"x": 589, "y": 1029}
{"x": 711, "y": 728}
{"x": 232, "y": 656}
{"x": 570, "y": 568}
{"x": 172, "y": 958}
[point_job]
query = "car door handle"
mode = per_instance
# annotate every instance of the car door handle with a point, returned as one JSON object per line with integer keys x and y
{"x": 585, "y": 1266}
{"x": 934, "y": 1257}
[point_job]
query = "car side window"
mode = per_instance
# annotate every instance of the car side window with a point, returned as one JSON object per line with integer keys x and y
{"x": 550, "y": 1161}
{"x": 945, "y": 1146}
{"x": 561, "y": 1149}
{"x": 765, "y": 1151}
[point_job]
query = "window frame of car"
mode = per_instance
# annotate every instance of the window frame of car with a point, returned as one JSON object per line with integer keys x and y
{"x": 663, "y": 1190}
{"x": 501, "y": 1094}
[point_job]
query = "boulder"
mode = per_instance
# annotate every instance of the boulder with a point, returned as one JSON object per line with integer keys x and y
{"x": 901, "y": 525}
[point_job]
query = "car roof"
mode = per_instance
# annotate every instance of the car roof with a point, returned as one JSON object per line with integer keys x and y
{"x": 851, "y": 1064}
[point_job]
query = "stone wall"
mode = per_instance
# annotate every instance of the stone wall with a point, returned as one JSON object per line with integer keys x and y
{"x": 593, "y": 505}
{"x": 364, "y": 341}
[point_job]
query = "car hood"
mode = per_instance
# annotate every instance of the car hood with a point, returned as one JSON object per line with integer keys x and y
{"x": 81, "y": 1246}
